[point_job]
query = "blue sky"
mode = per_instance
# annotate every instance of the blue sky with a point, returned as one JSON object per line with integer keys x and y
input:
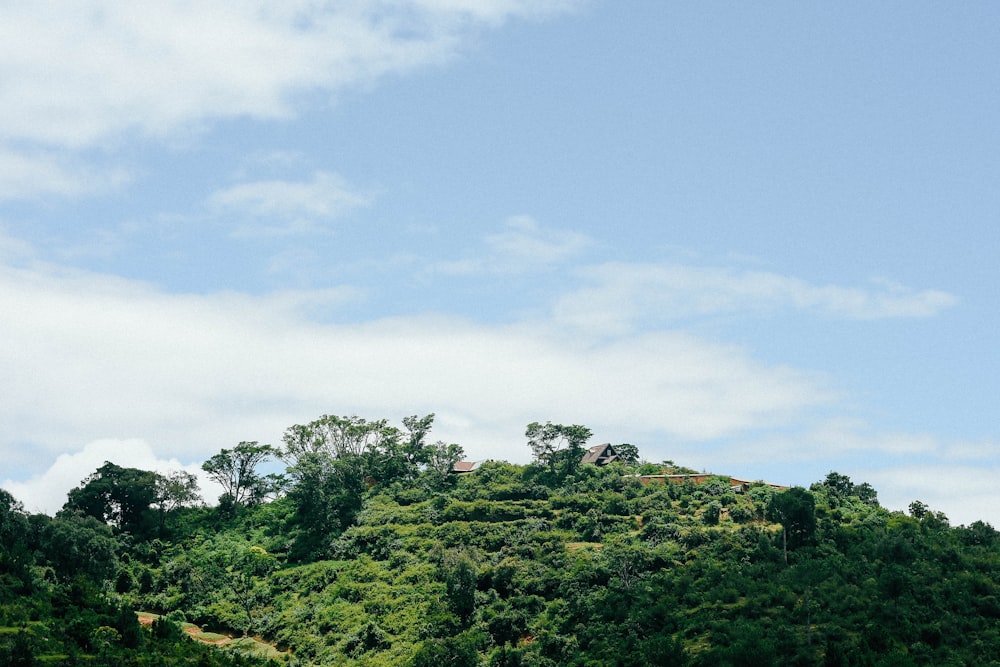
{"x": 754, "y": 240}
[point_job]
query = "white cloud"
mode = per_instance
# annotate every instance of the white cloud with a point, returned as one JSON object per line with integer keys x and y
{"x": 623, "y": 294}
{"x": 524, "y": 241}
{"x": 94, "y": 357}
{"x": 955, "y": 477}
{"x": 25, "y": 174}
{"x": 282, "y": 207}
{"x": 46, "y": 492}
{"x": 522, "y": 245}
{"x": 89, "y": 74}
{"x": 12, "y": 248}
{"x": 965, "y": 493}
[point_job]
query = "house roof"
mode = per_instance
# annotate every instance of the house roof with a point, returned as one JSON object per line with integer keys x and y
{"x": 600, "y": 454}
{"x": 465, "y": 466}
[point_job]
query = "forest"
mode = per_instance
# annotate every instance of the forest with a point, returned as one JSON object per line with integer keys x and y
{"x": 368, "y": 549}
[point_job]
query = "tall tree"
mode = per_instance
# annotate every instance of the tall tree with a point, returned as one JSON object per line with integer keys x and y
{"x": 332, "y": 460}
{"x": 441, "y": 458}
{"x": 554, "y": 443}
{"x": 236, "y": 471}
{"x": 246, "y": 571}
{"x": 795, "y": 510}
{"x": 460, "y": 576}
{"x": 176, "y": 489}
{"x": 339, "y": 437}
{"x": 120, "y": 497}
{"x": 415, "y": 450}
{"x": 627, "y": 453}
{"x": 15, "y": 557}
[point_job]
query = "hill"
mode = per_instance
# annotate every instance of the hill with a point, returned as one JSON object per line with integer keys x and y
{"x": 391, "y": 560}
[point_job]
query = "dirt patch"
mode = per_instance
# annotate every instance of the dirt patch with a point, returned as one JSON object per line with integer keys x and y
{"x": 190, "y": 629}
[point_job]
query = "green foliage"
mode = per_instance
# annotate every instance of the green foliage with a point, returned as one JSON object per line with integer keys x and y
{"x": 375, "y": 557}
{"x": 236, "y": 471}
{"x": 460, "y": 577}
{"x": 627, "y": 453}
{"x": 557, "y": 446}
{"x": 78, "y": 546}
{"x": 120, "y": 497}
{"x": 795, "y": 510}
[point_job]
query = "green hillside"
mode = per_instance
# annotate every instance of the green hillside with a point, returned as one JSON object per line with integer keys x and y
{"x": 368, "y": 551}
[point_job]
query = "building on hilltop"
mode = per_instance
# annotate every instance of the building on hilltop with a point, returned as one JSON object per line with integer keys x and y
{"x": 600, "y": 455}
{"x": 465, "y": 466}
{"x": 735, "y": 483}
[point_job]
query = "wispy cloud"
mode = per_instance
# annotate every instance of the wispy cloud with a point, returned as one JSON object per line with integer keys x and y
{"x": 80, "y": 76}
{"x": 620, "y": 295}
{"x": 522, "y": 245}
{"x": 285, "y": 207}
{"x": 33, "y": 173}
{"x": 524, "y": 241}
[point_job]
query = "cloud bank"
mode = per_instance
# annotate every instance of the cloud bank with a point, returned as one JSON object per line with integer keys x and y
{"x": 47, "y": 491}
{"x": 90, "y": 352}
{"x": 97, "y": 358}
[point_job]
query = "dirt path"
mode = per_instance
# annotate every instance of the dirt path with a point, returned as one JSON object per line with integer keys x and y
{"x": 192, "y": 630}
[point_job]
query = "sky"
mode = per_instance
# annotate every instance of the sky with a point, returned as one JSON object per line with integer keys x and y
{"x": 755, "y": 240}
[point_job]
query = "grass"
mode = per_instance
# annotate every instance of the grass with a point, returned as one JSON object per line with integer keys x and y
{"x": 253, "y": 646}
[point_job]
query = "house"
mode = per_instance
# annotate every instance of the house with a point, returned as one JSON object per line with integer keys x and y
{"x": 465, "y": 466}
{"x": 600, "y": 455}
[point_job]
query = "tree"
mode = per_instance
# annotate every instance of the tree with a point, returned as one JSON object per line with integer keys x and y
{"x": 236, "y": 471}
{"x": 460, "y": 576}
{"x": 458, "y": 651}
{"x": 246, "y": 571}
{"x": 554, "y": 443}
{"x": 15, "y": 557}
{"x": 174, "y": 490}
{"x": 332, "y": 461}
{"x": 78, "y": 545}
{"x": 120, "y": 497}
{"x": 918, "y": 509}
{"x": 627, "y": 453}
{"x": 415, "y": 451}
{"x": 327, "y": 494}
{"x": 441, "y": 458}
{"x": 838, "y": 485}
{"x": 795, "y": 510}
{"x": 340, "y": 437}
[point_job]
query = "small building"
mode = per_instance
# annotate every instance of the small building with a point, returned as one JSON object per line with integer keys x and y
{"x": 461, "y": 467}
{"x": 600, "y": 455}
{"x": 736, "y": 484}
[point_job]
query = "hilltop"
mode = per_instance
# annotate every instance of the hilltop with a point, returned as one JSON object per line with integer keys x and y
{"x": 368, "y": 550}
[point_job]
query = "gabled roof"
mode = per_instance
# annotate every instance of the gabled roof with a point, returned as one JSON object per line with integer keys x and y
{"x": 600, "y": 455}
{"x": 465, "y": 466}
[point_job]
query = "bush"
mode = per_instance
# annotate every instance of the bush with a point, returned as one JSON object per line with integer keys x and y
{"x": 712, "y": 513}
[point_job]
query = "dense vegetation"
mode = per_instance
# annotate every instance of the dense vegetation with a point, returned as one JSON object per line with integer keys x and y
{"x": 368, "y": 551}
